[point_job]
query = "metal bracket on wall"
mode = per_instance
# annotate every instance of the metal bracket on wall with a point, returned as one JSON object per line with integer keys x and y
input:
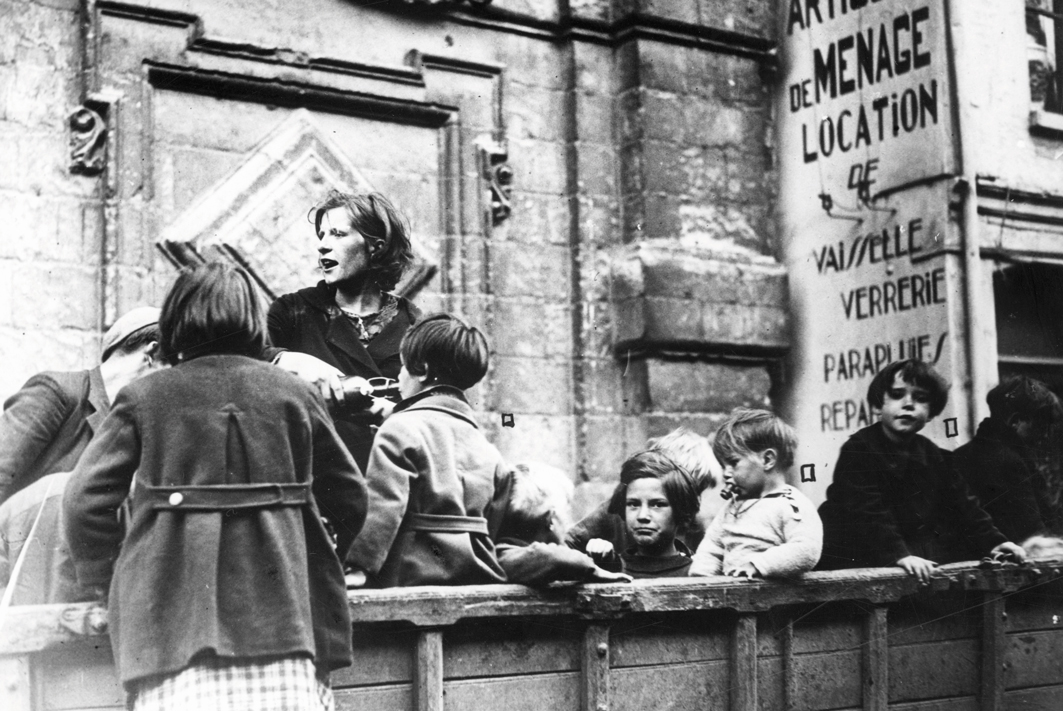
{"x": 494, "y": 159}
{"x": 88, "y": 137}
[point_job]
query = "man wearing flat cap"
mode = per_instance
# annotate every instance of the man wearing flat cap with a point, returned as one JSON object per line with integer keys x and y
{"x": 47, "y": 424}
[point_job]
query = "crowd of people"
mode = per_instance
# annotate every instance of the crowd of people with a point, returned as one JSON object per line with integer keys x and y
{"x": 220, "y": 485}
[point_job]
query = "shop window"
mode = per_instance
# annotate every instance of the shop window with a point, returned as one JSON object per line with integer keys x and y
{"x": 1029, "y": 310}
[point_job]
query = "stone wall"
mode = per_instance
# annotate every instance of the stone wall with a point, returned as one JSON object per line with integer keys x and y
{"x": 49, "y": 252}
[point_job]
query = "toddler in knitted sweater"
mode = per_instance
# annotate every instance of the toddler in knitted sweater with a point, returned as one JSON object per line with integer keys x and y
{"x": 768, "y": 528}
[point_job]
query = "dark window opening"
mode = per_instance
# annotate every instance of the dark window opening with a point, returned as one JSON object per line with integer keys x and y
{"x": 1029, "y": 309}
{"x": 1044, "y": 48}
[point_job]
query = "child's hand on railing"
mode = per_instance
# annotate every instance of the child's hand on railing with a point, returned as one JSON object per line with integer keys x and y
{"x": 920, "y": 568}
{"x": 746, "y": 570}
{"x": 1008, "y": 552}
{"x": 600, "y": 548}
{"x": 354, "y": 578}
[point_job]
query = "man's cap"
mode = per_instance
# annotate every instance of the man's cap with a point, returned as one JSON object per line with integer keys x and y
{"x": 126, "y": 325}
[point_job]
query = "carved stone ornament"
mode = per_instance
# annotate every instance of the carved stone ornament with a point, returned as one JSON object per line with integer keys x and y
{"x": 499, "y": 176}
{"x": 88, "y": 141}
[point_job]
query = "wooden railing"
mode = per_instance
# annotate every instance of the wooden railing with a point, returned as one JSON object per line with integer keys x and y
{"x": 871, "y": 639}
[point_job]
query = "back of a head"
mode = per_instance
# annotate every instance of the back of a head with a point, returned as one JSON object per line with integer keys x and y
{"x": 691, "y": 451}
{"x": 678, "y": 485}
{"x": 1025, "y": 398}
{"x": 449, "y": 350}
{"x": 747, "y": 431}
{"x": 211, "y": 309}
{"x": 381, "y": 225}
{"x": 915, "y": 372}
{"x": 538, "y": 504}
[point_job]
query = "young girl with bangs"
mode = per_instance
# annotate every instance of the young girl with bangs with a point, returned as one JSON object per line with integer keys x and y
{"x": 658, "y": 500}
{"x": 225, "y": 591}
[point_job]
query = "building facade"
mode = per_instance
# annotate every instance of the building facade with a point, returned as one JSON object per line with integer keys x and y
{"x": 657, "y": 211}
{"x": 593, "y": 183}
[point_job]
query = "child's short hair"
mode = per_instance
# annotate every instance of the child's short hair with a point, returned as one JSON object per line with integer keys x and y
{"x": 914, "y": 372}
{"x": 747, "y": 431}
{"x": 446, "y": 348}
{"x": 1023, "y": 396}
{"x": 691, "y": 451}
{"x": 678, "y": 485}
{"x": 538, "y": 504}
{"x": 212, "y": 308}
{"x": 381, "y": 225}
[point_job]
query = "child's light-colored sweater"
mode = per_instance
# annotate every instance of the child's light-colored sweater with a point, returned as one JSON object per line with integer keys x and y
{"x": 780, "y": 534}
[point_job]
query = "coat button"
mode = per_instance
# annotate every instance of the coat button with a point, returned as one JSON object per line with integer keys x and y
{"x": 176, "y": 498}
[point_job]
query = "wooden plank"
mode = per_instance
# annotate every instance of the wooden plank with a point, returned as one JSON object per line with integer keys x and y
{"x": 16, "y": 689}
{"x": 595, "y": 677}
{"x": 31, "y": 628}
{"x": 771, "y": 683}
{"x": 993, "y": 641}
{"x": 934, "y": 670}
{"x": 513, "y": 647}
{"x": 936, "y": 618}
{"x": 641, "y": 640}
{"x": 671, "y": 687}
{"x": 1045, "y": 698}
{"x": 829, "y": 680}
{"x": 534, "y": 692}
{"x": 442, "y": 605}
{"x": 395, "y": 697}
{"x": 78, "y": 676}
{"x": 788, "y": 671}
{"x": 428, "y": 684}
{"x": 1033, "y": 659}
{"x": 381, "y": 656}
{"x": 875, "y": 661}
{"x": 744, "y": 664}
{"x": 965, "y": 703}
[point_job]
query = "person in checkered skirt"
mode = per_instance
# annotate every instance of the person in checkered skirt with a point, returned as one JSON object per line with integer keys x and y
{"x": 225, "y": 589}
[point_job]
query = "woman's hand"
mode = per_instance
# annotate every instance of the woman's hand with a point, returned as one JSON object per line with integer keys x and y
{"x": 920, "y": 568}
{"x": 314, "y": 371}
{"x": 354, "y": 578}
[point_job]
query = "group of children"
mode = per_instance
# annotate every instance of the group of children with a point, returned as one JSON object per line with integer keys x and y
{"x": 245, "y": 500}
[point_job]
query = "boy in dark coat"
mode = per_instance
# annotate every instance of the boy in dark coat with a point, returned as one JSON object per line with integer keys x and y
{"x": 999, "y": 462}
{"x": 895, "y": 499}
{"x": 432, "y": 474}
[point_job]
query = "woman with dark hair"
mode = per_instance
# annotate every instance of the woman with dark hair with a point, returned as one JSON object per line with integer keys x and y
{"x": 351, "y": 320}
{"x": 225, "y": 583}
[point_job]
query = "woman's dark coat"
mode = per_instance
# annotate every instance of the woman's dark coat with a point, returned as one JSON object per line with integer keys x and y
{"x": 304, "y": 322}
{"x": 235, "y": 461}
{"x": 1001, "y": 473}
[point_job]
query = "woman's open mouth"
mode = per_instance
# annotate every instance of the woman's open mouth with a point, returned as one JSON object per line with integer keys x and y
{"x": 327, "y": 264}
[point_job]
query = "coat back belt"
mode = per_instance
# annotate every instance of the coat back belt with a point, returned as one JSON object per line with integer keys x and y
{"x": 223, "y": 497}
{"x": 445, "y": 524}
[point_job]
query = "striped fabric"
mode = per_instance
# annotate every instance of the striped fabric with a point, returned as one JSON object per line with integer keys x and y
{"x": 212, "y": 684}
